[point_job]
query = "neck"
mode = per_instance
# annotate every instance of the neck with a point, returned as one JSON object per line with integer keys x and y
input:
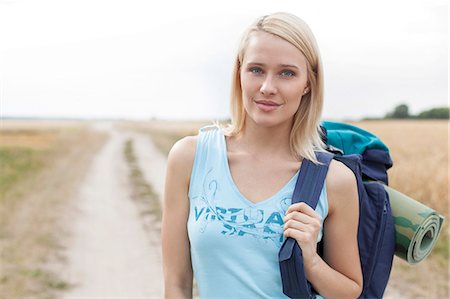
{"x": 262, "y": 142}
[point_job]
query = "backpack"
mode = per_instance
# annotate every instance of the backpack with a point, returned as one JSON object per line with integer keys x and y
{"x": 369, "y": 159}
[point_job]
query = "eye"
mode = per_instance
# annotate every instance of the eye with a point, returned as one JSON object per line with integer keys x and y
{"x": 255, "y": 70}
{"x": 287, "y": 73}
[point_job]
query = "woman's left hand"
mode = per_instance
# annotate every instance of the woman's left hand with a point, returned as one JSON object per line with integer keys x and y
{"x": 303, "y": 224}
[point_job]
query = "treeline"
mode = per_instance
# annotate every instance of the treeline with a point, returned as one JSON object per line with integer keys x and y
{"x": 402, "y": 111}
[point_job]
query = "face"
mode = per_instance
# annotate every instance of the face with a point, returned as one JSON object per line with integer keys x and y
{"x": 273, "y": 79}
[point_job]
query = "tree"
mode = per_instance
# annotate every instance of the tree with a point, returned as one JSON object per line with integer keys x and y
{"x": 440, "y": 113}
{"x": 400, "y": 111}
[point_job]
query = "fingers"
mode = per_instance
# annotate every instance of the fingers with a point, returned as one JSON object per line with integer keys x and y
{"x": 302, "y": 228}
{"x": 302, "y": 222}
{"x": 301, "y": 207}
{"x": 304, "y": 209}
{"x": 303, "y": 237}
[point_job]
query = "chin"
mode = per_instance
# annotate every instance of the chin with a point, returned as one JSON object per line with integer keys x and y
{"x": 266, "y": 120}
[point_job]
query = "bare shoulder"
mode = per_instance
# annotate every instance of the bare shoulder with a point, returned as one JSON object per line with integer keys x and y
{"x": 184, "y": 148}
{"x": 341, "y": 185}
{"x": 339, "y": 175}
{"x": 181, "y": 156}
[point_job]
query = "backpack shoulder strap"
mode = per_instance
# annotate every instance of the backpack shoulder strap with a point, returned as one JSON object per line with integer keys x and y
{"x": 307, "y": 189}
{"x": 311, "y": 179}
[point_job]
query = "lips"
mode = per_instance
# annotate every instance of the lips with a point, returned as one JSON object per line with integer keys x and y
{"x": 267, "y": 106}
{"x": 267, "y": 103}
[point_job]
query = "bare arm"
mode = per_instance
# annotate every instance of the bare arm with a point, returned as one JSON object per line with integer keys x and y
{"x": 338, "y": 274}
{"x": 177, "y": 266}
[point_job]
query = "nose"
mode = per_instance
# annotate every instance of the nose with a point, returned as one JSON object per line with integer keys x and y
{"x": 268, "y": 86}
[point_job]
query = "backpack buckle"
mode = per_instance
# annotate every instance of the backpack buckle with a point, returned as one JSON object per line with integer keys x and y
{"x": 335, "y": 150}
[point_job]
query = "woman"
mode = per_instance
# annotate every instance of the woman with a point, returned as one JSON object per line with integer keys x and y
{"x": 228, "y": 190}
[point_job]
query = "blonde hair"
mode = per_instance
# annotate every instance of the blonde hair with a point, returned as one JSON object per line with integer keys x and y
{"x": 305, "y": 136}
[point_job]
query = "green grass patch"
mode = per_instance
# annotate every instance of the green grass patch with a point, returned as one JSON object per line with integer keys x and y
{"x": 141, "y": 190}
{"x": 46, "y": 280}
{"x": 16, "y": 163}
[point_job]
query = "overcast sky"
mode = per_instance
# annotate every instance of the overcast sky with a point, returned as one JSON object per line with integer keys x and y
{"x": 173, "y": 59}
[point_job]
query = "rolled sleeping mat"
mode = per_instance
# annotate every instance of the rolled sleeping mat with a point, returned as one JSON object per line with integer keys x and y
{"x": 417, "y": 227}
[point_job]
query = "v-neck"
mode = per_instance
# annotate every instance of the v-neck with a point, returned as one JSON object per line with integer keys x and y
{"x": 235, "y": 187}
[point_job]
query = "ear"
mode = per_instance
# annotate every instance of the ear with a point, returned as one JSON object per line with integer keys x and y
{"x": 306, "y": 90}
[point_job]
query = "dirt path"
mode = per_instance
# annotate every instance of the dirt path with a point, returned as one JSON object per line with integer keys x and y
{"x": 110, "y": 253}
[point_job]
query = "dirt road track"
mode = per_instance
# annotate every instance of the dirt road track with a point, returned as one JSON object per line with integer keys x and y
{"x": 152, "y": 161}
{"x": 110, "y": 254}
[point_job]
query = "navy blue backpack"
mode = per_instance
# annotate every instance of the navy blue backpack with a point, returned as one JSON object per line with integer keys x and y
{"x": 369, "y": 160}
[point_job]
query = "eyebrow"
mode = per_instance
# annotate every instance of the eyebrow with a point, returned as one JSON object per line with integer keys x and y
{"x": 282, "y": 65}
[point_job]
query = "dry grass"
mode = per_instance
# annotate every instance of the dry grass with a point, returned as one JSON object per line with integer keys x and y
{"x": 35, "y": 139}
{"x": 32, "y": 207}
{"x": 165, "y": 133}
{"x": 142, "y": 191}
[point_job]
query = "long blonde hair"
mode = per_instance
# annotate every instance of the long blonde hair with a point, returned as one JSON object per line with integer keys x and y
{"x": 305, "y": 136}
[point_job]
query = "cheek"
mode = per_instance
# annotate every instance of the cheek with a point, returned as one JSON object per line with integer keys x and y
{"x": 249, "y": 87}
{"x": 294, "y": 94}
{"x": 294, "y": 104}
{"x": 294, "y": 98}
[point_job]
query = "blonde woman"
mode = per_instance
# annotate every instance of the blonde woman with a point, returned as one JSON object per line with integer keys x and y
{"x": 227, "y": 203}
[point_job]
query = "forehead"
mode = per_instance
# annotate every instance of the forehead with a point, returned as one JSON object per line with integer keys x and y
{"x": 267, "y": 48}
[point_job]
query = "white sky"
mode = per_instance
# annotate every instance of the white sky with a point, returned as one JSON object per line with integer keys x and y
{"x": 173, "y": 59}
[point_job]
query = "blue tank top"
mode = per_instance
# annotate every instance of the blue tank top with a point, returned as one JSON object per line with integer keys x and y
{"x": 234, "y": 242}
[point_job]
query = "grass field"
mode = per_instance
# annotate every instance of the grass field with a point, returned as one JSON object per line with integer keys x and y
{"x": 36, "y": 187}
